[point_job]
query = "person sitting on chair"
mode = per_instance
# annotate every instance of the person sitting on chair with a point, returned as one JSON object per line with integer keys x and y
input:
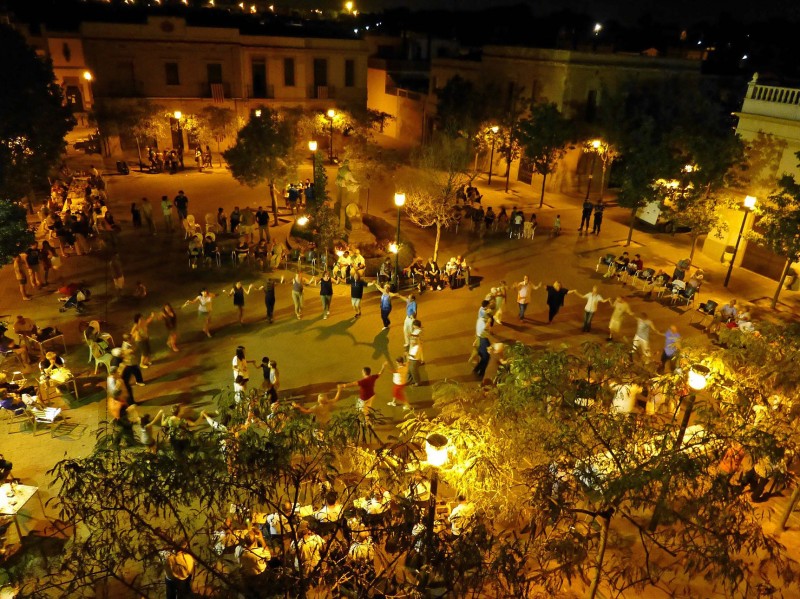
{"x": 195, "y": 250}
{"x": 358, "y": 263}
{"x": 242, "y": 250}
{"x": 433, "y": 274}
{"x": 342, "y": 268}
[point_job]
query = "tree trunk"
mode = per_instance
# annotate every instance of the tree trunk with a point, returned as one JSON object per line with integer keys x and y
{"x": 139, "y": 153}
{"x": 602, "y": 179}
{"x": 274, "y": 202}
{"x": 789, "y": 508}
{"x": 508, "y": 173}
{"x": 630, "y": 227}
{"x": 342, "y": 215}
{"x": 695, "y": 237}
{"x": 781, "y": 282}
{"x": 601, "y": 553}
{"x": 436, "y": 243}
{"x": 541, "y": 198}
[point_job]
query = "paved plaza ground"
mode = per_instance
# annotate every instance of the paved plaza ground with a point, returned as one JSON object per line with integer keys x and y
{"x": 315, "y": 354}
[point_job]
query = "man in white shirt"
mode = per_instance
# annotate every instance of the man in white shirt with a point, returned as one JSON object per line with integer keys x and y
{"x": 332, "y": 510}
{"x": 461, "y": 516}
{"x": 278, "y": 522}
{"x": 308, "y": 550}
{"x": 362, "y": 551}
{"x": 592, "y": 299}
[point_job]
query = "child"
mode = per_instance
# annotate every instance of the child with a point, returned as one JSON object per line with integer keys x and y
{"x": 557, "y": 226}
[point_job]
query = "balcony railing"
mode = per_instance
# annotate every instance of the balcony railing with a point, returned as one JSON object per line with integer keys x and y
{"x": 773, "y": 101}
{"x": 320, "y": 92}
{"x": 261, "y": 93}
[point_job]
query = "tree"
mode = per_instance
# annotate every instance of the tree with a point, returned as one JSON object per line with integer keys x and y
{"x": 33, "y": 122}
{"x": 544, "y": 136}
{"x": 140, "y": 120}
{"x": 263, "y": 152}
{"x": 15, "y": 235}
{"x": 659, "y": 127}
{"x": 461, "y": 107}
{"x": 440, "y": 171}
{"x": 779, "y": 226}
{"x": 220, "y": 122}
{"x": 516, "y": 106}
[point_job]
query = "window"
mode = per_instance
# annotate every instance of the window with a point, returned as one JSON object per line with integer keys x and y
{"x": 288, "y": 72}
{"x": 320, "y": 72}
{"x": 349, "y": 73}
{"x": 214, "y": 71}
{"x": 591, "y": 106}
{"x": 259, "y": 70}
{"x": 171, "y": 73}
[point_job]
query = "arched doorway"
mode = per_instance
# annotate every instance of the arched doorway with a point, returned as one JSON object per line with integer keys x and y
{"x": 74, "y": 98}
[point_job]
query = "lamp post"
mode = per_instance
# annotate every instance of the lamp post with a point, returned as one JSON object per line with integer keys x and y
{"x": 494, "y": 131}
{"x": 436, "y": 451}
{"x": 178, "y": 115}
{"x": 594, "y": 148}
{"x": 331, "y": 114}
{"x": 749, "y": 204}
{"x": 312, "y": 146}
{"x": 698, "y": 379}
{"x": 399, "y": 201}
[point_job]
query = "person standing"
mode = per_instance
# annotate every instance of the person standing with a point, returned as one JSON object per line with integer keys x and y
{"x": 621, "y": 308}
{"x": 593, "y": 298}
{"x": 178, "y": 571}
{"x": 262, "y": 220}
{"x": 236, "y": 218}
{"x": 672, "y": 343}
{"x": 499, "y": 301}
{"x": 524, "y": 289}
{"x": 33, "y": 264}
{"x": 298, "y": 282}
{"x": 399, "y": 379}
{"x": 555, "y": 299}
{"x": 222, "y": 220}
{"x": 586, "y": 215}
{"x": 269, "y": 295}
{"x": 482, "y": 334}
{"x": 326, "y": 293}
{"x": 20, "y": 274}
{"x": 205, "y": 305}
{"x": 147, "y": 216}
{"x": 641, "y": 340}
{"x": 366, "y": 387}
{"x": 357, "y": 286}
{"x": 182, "y": 205}
{"x": 598, "y": 217}
{"x": 140, "y": 334}
{"x": 239, "y": 366}
{"x": 238, "y": 292}
{"x": 415, "y": 355}
{"x": 166, "y": 211}
{"x": 170, "y": 319}
{"x": 386, "y": 303}
{"x": 411, "y": 316}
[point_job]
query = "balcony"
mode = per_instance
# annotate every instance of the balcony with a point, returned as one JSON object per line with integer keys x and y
{"x": 321, "y": 92}
{"x": 772, "y": 101}
{"x": 261, "y": 93}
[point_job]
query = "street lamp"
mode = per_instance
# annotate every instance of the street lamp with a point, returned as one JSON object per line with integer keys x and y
{"x": 349, "y": 6}
{"x": 399, "y": 201}
{"x": 494, "y": 131}
{"x": 593, "y": 147}
{"x": 312, "y": 146}
{"x": 88, "y": 76}
{"x": 697, "y": 380}
{"x": 178, "y": 114}
{"x": 331, "y": 114}
{"x": 257, "y": 113}
{"x": 302, "y": 220}
{"x": 437, "y": 448}
{"x": 749, "y": 204}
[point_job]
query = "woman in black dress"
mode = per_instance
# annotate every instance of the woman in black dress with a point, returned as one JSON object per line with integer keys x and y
{"x": 238, "y": 291}
{"x": 555, "y": 299}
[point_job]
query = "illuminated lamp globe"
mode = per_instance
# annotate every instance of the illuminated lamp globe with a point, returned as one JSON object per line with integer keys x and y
{"x": 698, "y": 377}
{"x": 436, "y": 449}
{"x": 312, "y": 145}
{"x": 399, "y": 199}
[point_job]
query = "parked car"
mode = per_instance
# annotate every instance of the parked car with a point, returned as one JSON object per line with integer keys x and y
{"x": 90, "y": 145}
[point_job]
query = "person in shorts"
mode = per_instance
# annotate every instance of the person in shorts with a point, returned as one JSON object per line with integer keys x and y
{"x": 399, "y": 378}
{"x": 366, "y": 387}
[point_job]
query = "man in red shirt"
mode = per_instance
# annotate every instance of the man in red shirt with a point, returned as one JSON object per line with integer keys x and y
{"x": 366, "y": 387}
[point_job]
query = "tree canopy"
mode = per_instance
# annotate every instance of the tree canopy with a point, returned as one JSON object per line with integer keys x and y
{"x": 33, "y": 123}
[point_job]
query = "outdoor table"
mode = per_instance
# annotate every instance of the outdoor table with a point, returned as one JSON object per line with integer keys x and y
{"x": 13, "y": 499}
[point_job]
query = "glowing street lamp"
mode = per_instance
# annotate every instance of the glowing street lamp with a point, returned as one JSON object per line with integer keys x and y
{"x": 331, "y": 114}
{"x": 257, "y": 112}
{"x": 697, "y": 380}
{"x": 399, "y": 201}
{"x": 349, "y": 6}
{"x": 88, "y": 76}
{"x": 302, "y": 221}
{"x": 437, "y": 448}
{"x": 598, "y": 27}
{"x": 749, "y": 204}
{"x": 312, "y": 146}
{"x": 594, "y": 147}
{"x": 494, "y": 131}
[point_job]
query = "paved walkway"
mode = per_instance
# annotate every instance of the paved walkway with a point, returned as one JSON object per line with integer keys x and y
{"x": 313, "y": 355}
